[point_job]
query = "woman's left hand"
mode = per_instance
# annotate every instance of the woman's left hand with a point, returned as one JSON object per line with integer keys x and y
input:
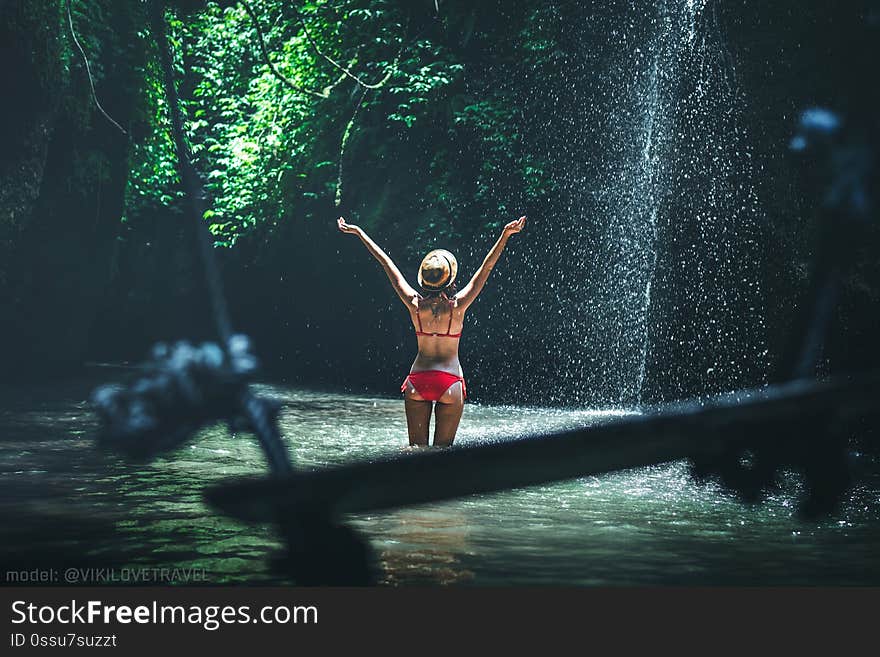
{"x": 346, "y": 228}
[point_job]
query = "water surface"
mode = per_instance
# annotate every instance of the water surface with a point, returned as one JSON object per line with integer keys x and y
{"x": 67, "y": 504}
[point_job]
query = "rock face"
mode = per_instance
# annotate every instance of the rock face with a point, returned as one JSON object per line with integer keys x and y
{"x": 63, "y": 172}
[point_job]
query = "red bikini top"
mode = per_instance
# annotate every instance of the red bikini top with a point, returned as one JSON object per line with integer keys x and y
{"x": 448, "y": 333}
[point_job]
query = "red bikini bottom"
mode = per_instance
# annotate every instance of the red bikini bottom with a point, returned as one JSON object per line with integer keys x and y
{"x": 432, "y": 384}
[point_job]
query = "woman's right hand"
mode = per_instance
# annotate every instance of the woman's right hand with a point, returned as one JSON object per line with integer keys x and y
{"x": 347, "y": 228}
{"x": 515, "y": 226}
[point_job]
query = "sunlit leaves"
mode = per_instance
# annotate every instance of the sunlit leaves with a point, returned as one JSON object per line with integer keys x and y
{"x": 268, "y": 152}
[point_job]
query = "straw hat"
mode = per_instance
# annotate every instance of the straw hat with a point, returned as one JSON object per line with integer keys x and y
{"x": 438, "y": 270}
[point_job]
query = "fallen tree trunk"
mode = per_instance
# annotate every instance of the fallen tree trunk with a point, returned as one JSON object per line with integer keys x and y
{"x": 685, "y": 430}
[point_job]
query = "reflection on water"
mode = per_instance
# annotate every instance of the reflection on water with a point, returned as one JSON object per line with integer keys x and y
{"x": 66, "y": 504}
{"x": 421, "y": 546}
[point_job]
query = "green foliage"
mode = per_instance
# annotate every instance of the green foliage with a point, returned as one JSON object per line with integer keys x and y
{"x": 271, "y": 154}
{"x": 540, "y": 35}
{"x": 418, "y": 83}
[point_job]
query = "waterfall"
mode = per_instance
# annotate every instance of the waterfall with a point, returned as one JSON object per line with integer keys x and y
{"x": 704, "y": 327}
{"x": 643, "y": 136}
{"x": 655, "y": 177}
{"x": 672, "y": 48}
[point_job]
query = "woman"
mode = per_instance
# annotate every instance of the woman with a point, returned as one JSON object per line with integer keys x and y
{"x": 438, "y": 317}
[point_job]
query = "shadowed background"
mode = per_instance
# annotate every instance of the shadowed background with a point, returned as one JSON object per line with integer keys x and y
{"x": 669, "y": 229}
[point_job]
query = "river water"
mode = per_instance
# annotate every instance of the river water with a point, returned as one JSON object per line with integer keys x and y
{"x": 65, "y": 504}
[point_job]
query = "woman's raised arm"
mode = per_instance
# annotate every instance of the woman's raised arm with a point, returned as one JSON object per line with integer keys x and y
{"x": 471, "y": 291}
{"x": 404, "y": 290}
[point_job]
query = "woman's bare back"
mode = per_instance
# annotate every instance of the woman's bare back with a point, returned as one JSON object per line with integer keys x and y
{"x": 438, "y": 321}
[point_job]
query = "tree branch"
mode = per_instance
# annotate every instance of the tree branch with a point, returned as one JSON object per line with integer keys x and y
{"x": 89, "y": 70}
{"x": 346, "y": 72}
{"x": 275, "y": 71}
{"x": 345, "y": 137}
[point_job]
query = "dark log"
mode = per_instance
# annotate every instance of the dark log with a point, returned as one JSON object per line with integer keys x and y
{"x": 690, "y": 429}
